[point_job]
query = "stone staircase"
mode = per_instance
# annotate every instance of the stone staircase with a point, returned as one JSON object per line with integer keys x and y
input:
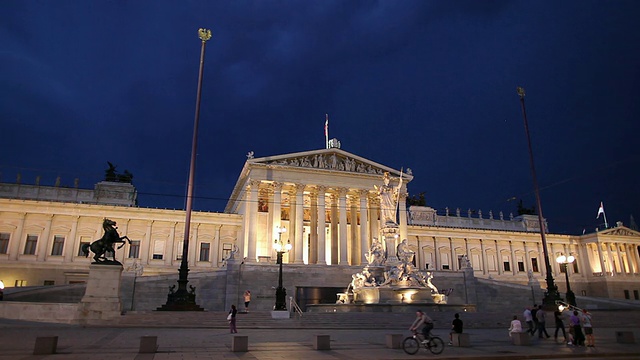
{"x": 351, "y": 320}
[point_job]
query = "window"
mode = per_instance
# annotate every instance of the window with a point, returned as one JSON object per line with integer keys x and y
{"x": 204, "y": 251}
{"x": 82, "y": 243}
{"x": 20, "y": 283}
{"x": 4, "y": 242}
{"x": 626, "y": 295}
{"x": 575, "y": 267}
{"x": 158, "y": 249}
{"x": 563, "y": 268}
{"x": 58, "y": 245}
{"x": 30, "y": 246}
{"x": 445, "y": 261}
{"x": 180, "y": 250}
{"x": 507, "y": 266}
{"x": 636, "y": 296}
{"x": 49, "y": 283}
{"x": 520, "y": 266}
{"x": 534, "y": 265}
{"x": 134, "y": 249}
{"x": 226, "y": 250}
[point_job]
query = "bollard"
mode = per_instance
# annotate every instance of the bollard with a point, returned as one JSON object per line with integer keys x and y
{"x": 394, "y": 341}
{"x": 462, "y": 339}
{"x": 148, "y": 344}
{"x": 240, "y": 343}
{"x": 45, "y": 345}
{"x": 521, "y": 338}
{"x": 322, "y": 342}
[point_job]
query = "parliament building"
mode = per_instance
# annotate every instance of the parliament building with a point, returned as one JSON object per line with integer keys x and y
{"x": 327, "y": 201}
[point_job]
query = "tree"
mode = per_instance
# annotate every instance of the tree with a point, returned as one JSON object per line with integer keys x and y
{"x": 417, "y": 200}
{"x": 525, "y": 211}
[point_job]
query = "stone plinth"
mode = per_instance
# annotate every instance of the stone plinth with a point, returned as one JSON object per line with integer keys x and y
{"x": 279, "y": 314}
{"x": 101, "y": 299}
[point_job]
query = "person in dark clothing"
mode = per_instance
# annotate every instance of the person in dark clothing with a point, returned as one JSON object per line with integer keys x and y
{"x": 456, "y": 327}
{"x": 534, "y": 310}
{"x": 541, "y": 316}
{"x": 557, "y": 315}
{"x": 232, "y": 321}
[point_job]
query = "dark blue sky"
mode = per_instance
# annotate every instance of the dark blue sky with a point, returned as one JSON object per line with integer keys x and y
{"x": 429, "y": 85}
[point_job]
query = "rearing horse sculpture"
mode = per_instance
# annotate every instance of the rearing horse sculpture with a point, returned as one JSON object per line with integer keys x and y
{"x": 105, "y": 244}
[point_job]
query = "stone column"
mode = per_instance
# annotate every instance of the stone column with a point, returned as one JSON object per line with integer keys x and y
{"x": 636, "y": 256}
{"x": 436, "y": 255}
{"x": 194, "y": 249}
{"x": 484, "y": 257}
{"x": 583, "y": 260}
{"x": 514, "y": 265}
{"x": 527, "y": 261}
{"x": 313, "y": 228}
{"x": 374, "y": 223}
{"x": 454, "y": 258}
{"x": 14, "y": 250}
{"x": 216, "y": 259}
{"x": 402, "y": 216}
{"x": 71, "y": 244}
{"x": 334, "y": 228}
{"x": 632, "y": 259}
{"x": 541, "y": 264}
{"x": 252, "y": 214}
{"x": 610, "y": 259}
{"x": 622, "y": 269}
{"x": 498, "y": 258}
{"x": 601, "y": 258}
{"x": 170, "y": 244}
{"x": 364, "y": 226}
{"x": 342, "y": 209}
{"x": 354, "y": 244}
{"x": 145, "y": 245}
{"x": 123, "y": 230}
{"x": 298, "y": 247}
{"x": 276, "y": 208}
{"x": 43, "y": 242}
{"x": 322, "y": 232}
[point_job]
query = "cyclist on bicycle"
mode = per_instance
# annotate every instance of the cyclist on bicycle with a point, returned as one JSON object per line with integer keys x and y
{"x": 422, "y": 319}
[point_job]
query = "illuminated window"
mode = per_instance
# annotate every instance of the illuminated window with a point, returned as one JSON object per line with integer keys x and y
{"x": 204, "y": 251}
{"x": 134, "y": 249}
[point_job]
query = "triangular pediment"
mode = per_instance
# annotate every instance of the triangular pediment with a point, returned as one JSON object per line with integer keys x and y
{"x": 327, "y": 159}
{"x": 620, "y": 231}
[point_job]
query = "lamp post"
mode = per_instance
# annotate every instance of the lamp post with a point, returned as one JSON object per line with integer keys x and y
{"x": 551, "y": 295}
{"x": 564, "y": 262}
{"x": 281, "y": 248}
{"x": 183, "y": 299}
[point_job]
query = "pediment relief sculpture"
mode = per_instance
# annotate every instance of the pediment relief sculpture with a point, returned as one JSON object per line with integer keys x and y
{"x": 329, "y": 162}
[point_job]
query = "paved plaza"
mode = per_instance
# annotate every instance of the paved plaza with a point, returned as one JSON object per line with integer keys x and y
{"x": 98, "y": 343}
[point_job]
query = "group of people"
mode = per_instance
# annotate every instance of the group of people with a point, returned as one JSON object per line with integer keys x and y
{"x": 231, "y": 317}
{"x": 580, "y": 327}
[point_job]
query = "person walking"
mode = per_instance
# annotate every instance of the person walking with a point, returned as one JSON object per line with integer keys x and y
{"x": 528, "y": 319}
{"x": 534, "y": 311}
{"x": 541, "y": 316}
{"x": 247, "y": 300}
{"x": 587, "y": 327}
{"x": 557, "y": 316}
{"x": 578, "y": 337}
{"x": 456, "y": 327}
{"x": 232, "y": 320}
{"x": 516, "y": 326}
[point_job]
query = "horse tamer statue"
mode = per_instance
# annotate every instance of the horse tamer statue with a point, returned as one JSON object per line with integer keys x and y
{"x": 105, "y": 244}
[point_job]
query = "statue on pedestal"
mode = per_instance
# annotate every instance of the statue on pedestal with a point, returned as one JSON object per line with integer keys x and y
{"x": 104, "y": 246}
{"x": 388, "y": 199}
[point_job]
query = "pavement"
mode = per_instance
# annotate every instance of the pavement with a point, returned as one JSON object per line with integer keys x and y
{"x": 17, "y": 341}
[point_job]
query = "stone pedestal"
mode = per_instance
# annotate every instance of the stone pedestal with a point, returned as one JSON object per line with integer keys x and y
{"x": 279, "y": 314}
{"x": 101, "y": 301}
{"x": 390, "y": 235}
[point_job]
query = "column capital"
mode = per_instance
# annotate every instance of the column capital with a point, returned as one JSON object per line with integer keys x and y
{"x": 253, "y": 184}
{"x": 342, "y": 191}
{"x": 276, "y": 186}
{"x": 321, "y": 189}
{"x": 298, "y": 188}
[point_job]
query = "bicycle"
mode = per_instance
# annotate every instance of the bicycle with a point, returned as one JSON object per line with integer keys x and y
{"x": 411, "y": 344}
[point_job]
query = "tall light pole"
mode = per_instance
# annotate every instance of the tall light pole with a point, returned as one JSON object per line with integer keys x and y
{"x": 281, "y": 292}
{"x": 551, "y": 295}
{"x": 181, "y": 299}
{"x": 564, "y": 262}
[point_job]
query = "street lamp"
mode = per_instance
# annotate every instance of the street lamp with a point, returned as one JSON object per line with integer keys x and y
{"x": 281, "y": 248}
{"x": 551, "y": 295}
{"x": 564, "y": 261}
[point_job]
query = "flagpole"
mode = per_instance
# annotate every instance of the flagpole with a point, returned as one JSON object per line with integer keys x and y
{"x": 326, "y": 131}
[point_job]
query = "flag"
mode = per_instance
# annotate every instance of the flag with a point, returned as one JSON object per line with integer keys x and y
{"x": 600, "y": 210}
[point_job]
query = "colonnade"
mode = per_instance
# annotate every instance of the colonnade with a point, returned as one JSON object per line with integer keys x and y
{"x": 341, "y": 221}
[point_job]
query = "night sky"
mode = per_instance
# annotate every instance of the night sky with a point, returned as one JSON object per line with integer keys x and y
{"x": 426, "y": 85}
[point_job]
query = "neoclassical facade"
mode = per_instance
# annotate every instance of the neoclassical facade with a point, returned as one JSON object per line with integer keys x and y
{"x": 328, "y": 202}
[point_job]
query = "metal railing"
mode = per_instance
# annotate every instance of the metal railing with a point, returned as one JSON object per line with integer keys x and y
{"x": 294, "y": 306}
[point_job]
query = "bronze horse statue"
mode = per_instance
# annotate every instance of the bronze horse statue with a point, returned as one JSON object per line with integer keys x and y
{"x": 105, "y": 244}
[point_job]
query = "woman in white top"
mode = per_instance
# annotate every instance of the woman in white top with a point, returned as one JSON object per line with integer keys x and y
{"x": 516, "y": 325}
